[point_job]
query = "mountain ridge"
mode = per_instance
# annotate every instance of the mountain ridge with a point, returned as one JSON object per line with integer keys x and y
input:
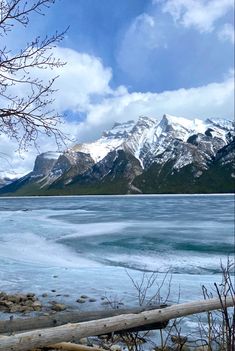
{"x": 172, "y": 155}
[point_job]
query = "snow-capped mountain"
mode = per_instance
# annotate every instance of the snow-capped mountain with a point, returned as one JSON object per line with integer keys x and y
{"x": 173, "y": 154}
{"x": 148, "y": 138}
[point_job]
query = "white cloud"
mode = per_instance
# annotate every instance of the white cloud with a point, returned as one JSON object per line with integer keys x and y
{"x": 227, "y": 33}
{"x": 200, "y": 14}
{"x": 142, "y": 37}
{"x": 142, "y": 25}
{"x": 79, "y": 80}
{"x": 13, "y": 164}
{"x": 212, "y": 100}
{"x": 82, "y": 77}
{"x": 85, "y": 75}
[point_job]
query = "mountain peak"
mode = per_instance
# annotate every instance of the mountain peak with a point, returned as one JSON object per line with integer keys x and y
{"x": 146, "y": 121}
{"x": 119, "y": 130}
{"x": 177, "y": 121}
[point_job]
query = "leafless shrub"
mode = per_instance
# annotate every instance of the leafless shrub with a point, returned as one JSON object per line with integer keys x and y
{"x": 216, "y": 333}
{"x": 149, "y": 290}
{"x": 148, "y": 282}
{"x": 219, "y": 331}
{"x": 113, "y": 302}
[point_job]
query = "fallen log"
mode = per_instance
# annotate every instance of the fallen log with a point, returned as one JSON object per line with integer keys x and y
{"x": 68, "y": 346}
{"x": 60, "y": 318}
{"x": 43, "y": 337}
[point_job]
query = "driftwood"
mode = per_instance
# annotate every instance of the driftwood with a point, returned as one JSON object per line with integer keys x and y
{"x": 74, "y": 347}
{"x": 44, "y": 337}
{"x": 60, "y": 318}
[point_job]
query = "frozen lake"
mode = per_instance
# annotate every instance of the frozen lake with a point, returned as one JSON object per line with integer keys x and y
{"x": 85, "y": 244}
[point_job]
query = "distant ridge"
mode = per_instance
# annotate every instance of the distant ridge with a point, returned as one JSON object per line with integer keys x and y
{"x": 174, "y": 155}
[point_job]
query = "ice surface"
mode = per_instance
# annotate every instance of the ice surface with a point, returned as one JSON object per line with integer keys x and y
{"x": 89, "y": 243}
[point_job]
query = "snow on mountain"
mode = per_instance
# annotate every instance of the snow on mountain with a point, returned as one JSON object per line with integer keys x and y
{"x": 181, "y": 127}
{"x": 188, "y": 141}
{"x": 110, "y": 141}
{"x": 142, "y": 131}
{"x": 148, "y": 138}
{"x": 120, "y": 130}
{"x": 221, "y": 123}
{"x": 148, "y": 148}
{"x": 51, "y": 155}
{"x": 98, "y": 149}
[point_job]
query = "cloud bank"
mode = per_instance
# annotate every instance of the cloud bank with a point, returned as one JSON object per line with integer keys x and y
{"x": 84, "y": 87}
{"x": 200, "y": 14}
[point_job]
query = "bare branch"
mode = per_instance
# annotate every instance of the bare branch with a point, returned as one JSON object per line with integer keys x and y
{"x": 25, "y": 117}
{"x": 18, "y": 11}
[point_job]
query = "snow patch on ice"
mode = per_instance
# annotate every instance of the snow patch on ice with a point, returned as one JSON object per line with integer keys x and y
{"x": 34, "y": 249}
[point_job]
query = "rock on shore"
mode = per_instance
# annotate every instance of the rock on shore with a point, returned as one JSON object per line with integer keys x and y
{"x": 23, "y": 303}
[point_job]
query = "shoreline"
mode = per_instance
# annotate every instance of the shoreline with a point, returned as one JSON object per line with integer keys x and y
{"x": 30, "y": 304}
{"x": 162, "y": 327}
{"x": 115, "y": 195}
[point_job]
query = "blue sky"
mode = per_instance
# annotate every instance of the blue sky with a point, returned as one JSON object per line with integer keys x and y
{"x": 127, "y": 58}
{"x": 165, "y": 56}
{"x": 147, "y": 57}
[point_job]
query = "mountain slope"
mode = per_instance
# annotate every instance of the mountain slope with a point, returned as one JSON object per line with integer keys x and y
{"x": 173, "y": 155}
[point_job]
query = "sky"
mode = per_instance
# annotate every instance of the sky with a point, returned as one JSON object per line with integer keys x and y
{"x": 128, "y": 58}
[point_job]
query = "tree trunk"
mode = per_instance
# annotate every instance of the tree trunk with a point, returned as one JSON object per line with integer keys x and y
{"x": 74, "y": 347}
{"x": 43, "y": 337}
{"x": 60, "y": 318}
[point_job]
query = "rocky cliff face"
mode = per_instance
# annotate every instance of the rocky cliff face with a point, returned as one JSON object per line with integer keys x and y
{"x": 44, "y": 163}
{"x": 173, "y": 155}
